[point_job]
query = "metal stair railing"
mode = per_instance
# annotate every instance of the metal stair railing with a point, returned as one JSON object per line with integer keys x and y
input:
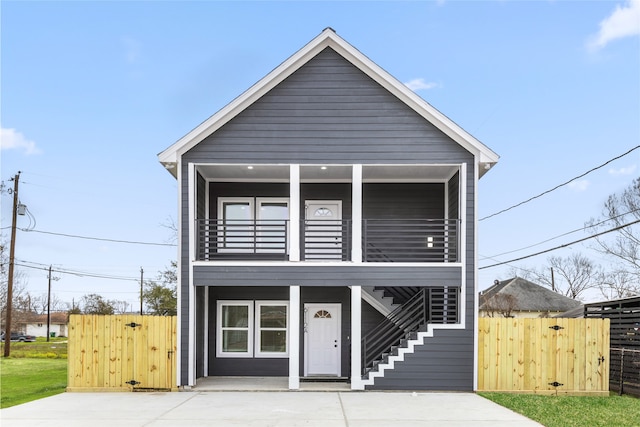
{"x": 411, "y": 317}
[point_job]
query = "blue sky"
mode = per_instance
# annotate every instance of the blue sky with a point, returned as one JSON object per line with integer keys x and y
{"x": 92, "y": 91}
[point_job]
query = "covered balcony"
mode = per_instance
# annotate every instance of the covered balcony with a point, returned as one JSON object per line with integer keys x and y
{"x": 353, "y": 213}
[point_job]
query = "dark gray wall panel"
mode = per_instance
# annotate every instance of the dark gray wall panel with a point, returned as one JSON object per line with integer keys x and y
{"x": 328, "y": 111}
{"x": 319, "y": 275}
{"x": 403, "y": 201}
{"x": 444, "y": 363}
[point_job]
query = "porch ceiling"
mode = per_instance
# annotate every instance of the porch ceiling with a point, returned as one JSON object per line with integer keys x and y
{"x": 320, "y": 173}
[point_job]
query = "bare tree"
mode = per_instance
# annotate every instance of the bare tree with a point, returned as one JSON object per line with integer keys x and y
{"x": 619, "y": 284}
{"x": 500, "y": 305}
{"x": 572, "y": 276}
{"x": 619, "y": 210}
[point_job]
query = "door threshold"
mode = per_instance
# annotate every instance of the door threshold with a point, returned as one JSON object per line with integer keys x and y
{"x": 319, "y": 379}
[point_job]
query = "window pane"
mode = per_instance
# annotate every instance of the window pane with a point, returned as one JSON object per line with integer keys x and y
{"x": 274, "y": 210}
{"x": 235, "y": 341}
{"x": 273, "y": 316}
{"x": 273, "y": 341}
{"x": 235, "y": 316}
{"x": 237, "y": 210}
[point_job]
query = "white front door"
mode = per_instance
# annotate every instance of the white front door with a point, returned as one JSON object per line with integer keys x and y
{"x": 322, "y": 339}
{"x": 323, "y": 230}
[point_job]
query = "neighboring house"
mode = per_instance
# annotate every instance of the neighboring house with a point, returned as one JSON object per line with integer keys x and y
{"x": 37, "y": 324}
{"x": 518, "y": 297}
{"x": 320, "y": 200}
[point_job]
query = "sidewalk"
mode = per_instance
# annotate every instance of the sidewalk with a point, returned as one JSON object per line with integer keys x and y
{"x": 258, "y": 409}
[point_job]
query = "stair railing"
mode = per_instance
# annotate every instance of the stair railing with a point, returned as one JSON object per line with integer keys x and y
{"x": 410, "y": 317}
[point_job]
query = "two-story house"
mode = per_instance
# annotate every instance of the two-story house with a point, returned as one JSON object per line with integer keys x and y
{"x": 327, "y": 229}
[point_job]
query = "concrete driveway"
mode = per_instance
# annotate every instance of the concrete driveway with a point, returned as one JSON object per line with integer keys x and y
{"x": 321, "y": 409}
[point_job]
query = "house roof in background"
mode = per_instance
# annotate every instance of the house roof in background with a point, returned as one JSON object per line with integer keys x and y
{"x": 57, "y": 318}
{"x": 528, "y": 296}
{"x": 328, "y": 38}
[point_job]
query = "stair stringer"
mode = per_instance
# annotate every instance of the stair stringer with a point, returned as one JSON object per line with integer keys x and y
{"x": 399, "y": 358}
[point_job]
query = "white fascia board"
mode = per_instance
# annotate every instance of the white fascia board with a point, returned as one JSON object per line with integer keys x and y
{"x": 328, "y": 38}
{"x": 247, "y": 98}
{"x": 422, "y": 107}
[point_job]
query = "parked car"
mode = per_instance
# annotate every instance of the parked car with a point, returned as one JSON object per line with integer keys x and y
{"x": 19, "y": 336}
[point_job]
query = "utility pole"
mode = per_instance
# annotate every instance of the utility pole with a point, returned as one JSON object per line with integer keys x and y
{"x": 141, "y": 285}
{"x": 553, "y": 281}
{"x": 12, "y": 250}
{"x": 50, "y": 277}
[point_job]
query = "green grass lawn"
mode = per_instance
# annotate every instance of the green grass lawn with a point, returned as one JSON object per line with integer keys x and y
{"x": 573, "y": 411}
{"x": 26, "y": 379}
{"x": 34, "y": 370}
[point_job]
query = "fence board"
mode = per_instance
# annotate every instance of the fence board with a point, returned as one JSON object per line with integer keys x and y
{"x": 105, "y": 352}
{"x": 529, "y": 355}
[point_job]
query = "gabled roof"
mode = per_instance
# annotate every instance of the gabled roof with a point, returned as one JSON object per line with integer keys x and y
{"x": 528, "y": 296}
{"x": 61, "y": 318}
{"x": 328, "y": 38}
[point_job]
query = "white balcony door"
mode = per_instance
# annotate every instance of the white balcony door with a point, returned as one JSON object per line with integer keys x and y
{"x": 323, "y": 230}
{"x": 322, "y": 339}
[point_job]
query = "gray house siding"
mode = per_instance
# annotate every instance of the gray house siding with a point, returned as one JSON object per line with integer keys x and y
{"x": 326, "y": 112}
{"x": 318, "y": 275}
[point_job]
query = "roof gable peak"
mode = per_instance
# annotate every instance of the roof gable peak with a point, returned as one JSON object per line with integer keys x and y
{"x": 328, "y": 38}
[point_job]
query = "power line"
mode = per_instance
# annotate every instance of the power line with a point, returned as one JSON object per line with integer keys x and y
{"x": 99, "y": 238}
{"x": 561, "y": 246}
{"x": 76, "y": 272}
{"x": 560, "y": 185}
{"x": 563, "y": 234}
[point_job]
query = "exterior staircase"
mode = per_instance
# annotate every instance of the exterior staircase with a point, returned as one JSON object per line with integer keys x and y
{"x": 404, "y": 328}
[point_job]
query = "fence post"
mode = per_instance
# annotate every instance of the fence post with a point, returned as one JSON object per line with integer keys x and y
{"x": 620, "y": 391}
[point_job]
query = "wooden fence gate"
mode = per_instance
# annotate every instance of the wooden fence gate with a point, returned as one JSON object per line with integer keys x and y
{"x": 546, "y": 356}
{"x": 121, "y": 353}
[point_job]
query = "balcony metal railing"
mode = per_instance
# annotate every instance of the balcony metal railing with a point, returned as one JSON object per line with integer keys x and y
{"x": 410, "y": 240}
{"x": 242, "y": 239}
{"x": 384, "y": 240}
{"x": 325, "y": 240}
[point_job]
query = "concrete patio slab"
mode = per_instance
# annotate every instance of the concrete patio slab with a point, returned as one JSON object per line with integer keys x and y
{"x": 261, "y": 409}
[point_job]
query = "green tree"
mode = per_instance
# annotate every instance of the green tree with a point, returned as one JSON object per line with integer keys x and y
{"x": 160, "y": 295}
{"x": 96, "y": 304}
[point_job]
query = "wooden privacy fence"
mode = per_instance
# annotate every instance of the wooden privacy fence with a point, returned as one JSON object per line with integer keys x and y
{"x": 121, "y": 353}
{"x": 546, "y": 356}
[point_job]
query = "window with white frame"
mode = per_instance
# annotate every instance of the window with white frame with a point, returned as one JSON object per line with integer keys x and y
{"x": 252, "y": 329}
{"x": 248, "y": 224}
{"x": 235, "y": 325}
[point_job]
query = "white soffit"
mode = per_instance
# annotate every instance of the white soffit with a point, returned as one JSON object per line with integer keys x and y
{"x": 328, "y": 38}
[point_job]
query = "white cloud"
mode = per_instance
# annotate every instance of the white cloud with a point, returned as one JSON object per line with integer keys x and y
{"x": 623, "y": 171}
{"x": 420, "y": 84}
{"x": 624, "y": 21}
{"x": 580, "y": 185}
{"x": 11, "y": 139}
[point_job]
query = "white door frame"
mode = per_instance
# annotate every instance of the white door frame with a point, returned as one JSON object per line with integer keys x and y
{"x": 309, "y": 310}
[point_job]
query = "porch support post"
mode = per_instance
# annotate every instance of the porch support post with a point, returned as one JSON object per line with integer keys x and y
{"x": 191, "y": 297}
{"x": 294, "y": 212}
{"x": 294, "y": 337}
{"x": 356, "y": 338}
{"x": 356, "y": 214}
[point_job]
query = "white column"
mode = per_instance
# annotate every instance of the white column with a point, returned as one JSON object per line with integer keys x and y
{"x": 294, "y": 337}
{"x": 356, "y": 338}
{"x": 192, "y": 199}
{"x": 356, "y": 214}
{"x": 294, "y": 212}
